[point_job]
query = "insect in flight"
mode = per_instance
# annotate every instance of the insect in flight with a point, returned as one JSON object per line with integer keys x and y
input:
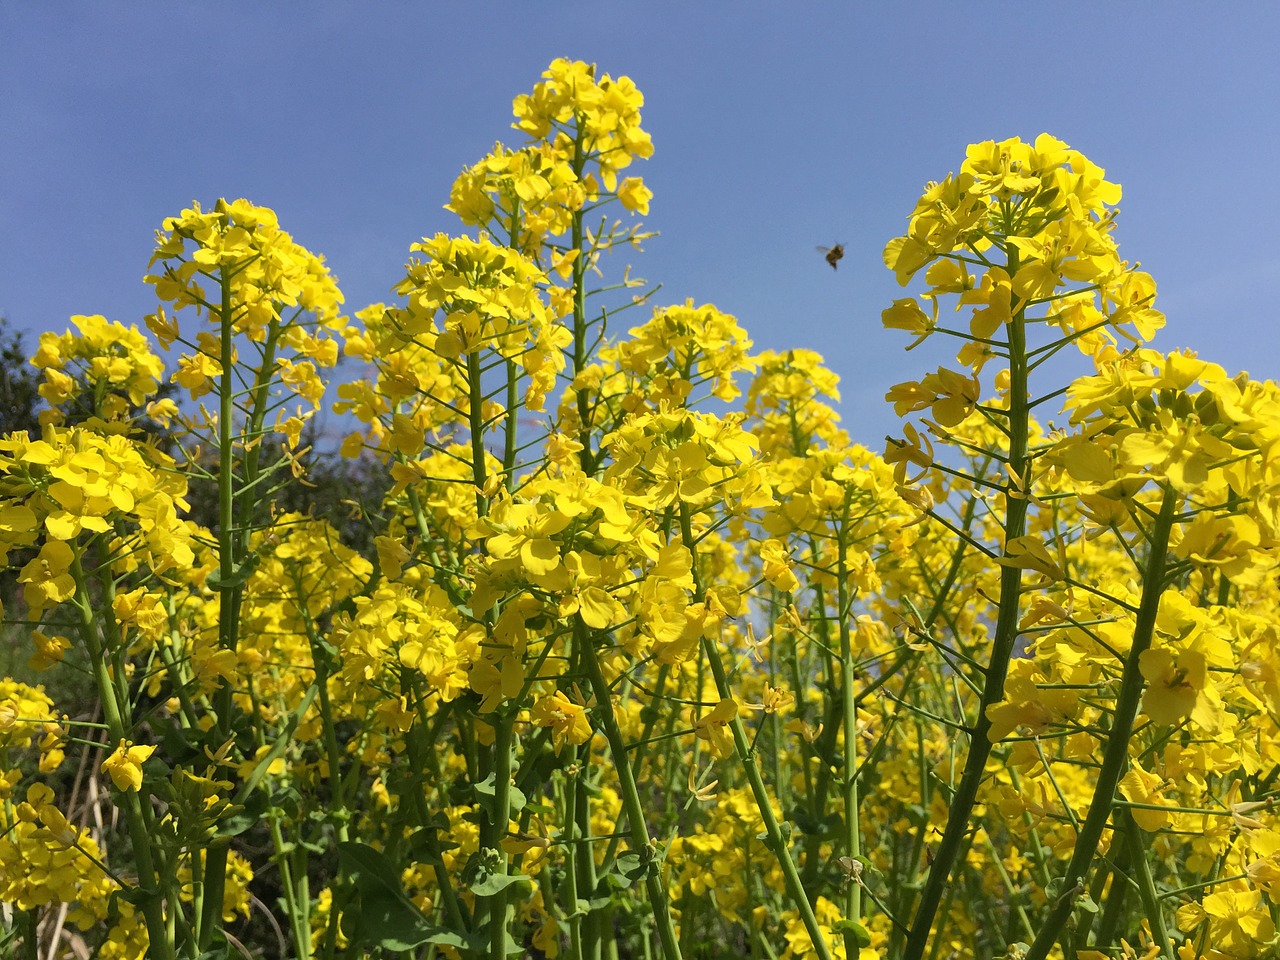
{"x": 833, "y": 254}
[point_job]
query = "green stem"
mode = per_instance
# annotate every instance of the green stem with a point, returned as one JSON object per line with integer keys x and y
{"x": 1113, "y": 908}
{"x": 497, "y": 822}
{"x": 476, "y": 400}
{"x": 649, "y": 715}
{"x": 320, "y": 664}
{"x": 510, "y": 427}
{"x": 30, "y": 922}
{"x": 580, "y": 352}
{"x": 853, "y": 836}
{"x": 120, "y": 728}
{"x": 960, "y": 810}
{"x": 422, "y": 756}
{"x": 297, "y": 911}
{"x": 571, "y": 884}
{"x": 824, "y": 747}
{"x": 1146, "y": 885}
{"x": 952, "y": 891}
{"x": 1116, "y": 757}
{"x": 228, "y": 596}
{"x": 775, "y": 839}
{"x": 593, "y": 932}
{"x": 639, "y": 830}
{"x": 1099, "y": 882}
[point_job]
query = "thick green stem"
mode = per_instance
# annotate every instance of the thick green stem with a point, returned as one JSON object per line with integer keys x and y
{"x": 580, "y": 352}
{"x": 636, "y": 824}
{"x": 297, "y": 909}
{"x": 512, "y": 424}
{"x": 1116, "y": 757}
{"x": 119, "y": 727}
{"x": 228, "y": 597}
{"x": 247, "y": 497}
{"x": 333, "y": 753}
{"x": 593, "y": 932}
{"x": 511, "y": 427}
{"x": 853, "y": 836}
{"x": 1146, "y": 885}
{"x": 476, "y": 401}
{"x": 775, "y": 838}
{"x": 499, "y": 909}
{"x": 824, "y": 746}
{"x": 422, "y": 756}
{"x": 29, "y": 920}
{"x": 1006, "y": 633}
{"x": 571, "y": 883}
{"x": 1114, "y": 907}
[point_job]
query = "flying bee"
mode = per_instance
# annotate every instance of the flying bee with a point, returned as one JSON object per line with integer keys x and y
{"x": 832, "y": 255}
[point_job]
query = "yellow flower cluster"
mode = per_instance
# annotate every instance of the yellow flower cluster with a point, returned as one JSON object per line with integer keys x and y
{"x": 27, "y": 722}
{"x": 79, "y": 482}
{"x": 1036, "y": 219}
{"x": 44, "y": 860}
{"x": 113, "y": 365}
{"x": 265, "y": 271}
{"x": 236, "y": 267}
{"x": 597, "y": 116}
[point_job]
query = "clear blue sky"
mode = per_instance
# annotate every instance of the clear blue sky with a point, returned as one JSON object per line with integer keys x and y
{"x": 777, "y": 127}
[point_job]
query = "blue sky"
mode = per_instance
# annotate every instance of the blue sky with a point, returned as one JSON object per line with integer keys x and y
{"x": 777, "y": 127}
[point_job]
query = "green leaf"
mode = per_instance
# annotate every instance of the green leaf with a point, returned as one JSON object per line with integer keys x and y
{"x": 631, "y": 866}
{"x": 235, "y": 819}
{"x": 381, "y": 914}
{"x": 627, "y": 869}
{"x": 806, "y": 822}
{"x": 487, "y": 796}
{"x": 491, "y": 883}
{"x": 861, "y": 935}
{"x": 236, "y": 578}
{"x": 175, "y": 744}
{"x": 516, "y": 799}
{"x": 425, "y": 843}
{"x": 369, "y": 869}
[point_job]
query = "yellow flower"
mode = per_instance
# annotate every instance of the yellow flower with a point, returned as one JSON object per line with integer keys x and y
{"x": 1029, "y": 553}
{"x": 774, "y": 700}
{"x": 1238, "y": 921}
{"x": 246, "y": 768}
{"x": 1141, "y": 786}
{"x": 776, "y": 566}
{"x": 906, "y": 314}
{"x": 47, "y": 578}
{"x": 1176, "y": 680}
{"x": 49, "y": 649}
{"x": 125, "y": 765}
{"x": 635, "y": 195}
{"x": 567, "y": 720}
{"x": 714, "y": 727}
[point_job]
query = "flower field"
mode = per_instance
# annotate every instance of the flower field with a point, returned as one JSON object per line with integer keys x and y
{"x": 630, "y": 651}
